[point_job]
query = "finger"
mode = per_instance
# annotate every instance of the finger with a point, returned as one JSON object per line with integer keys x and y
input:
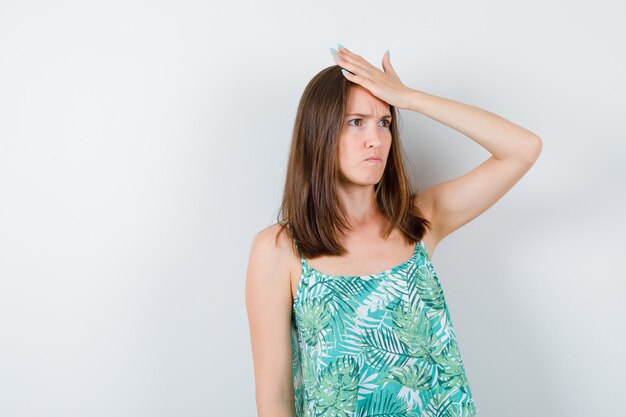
{"x": 350, "y": 63}
{"x": 353, "y": 67}
{"x": 341, "y": 47}
{"x": 387, "y": 65}
{"x": 356, "y": 60}
{"x": 357, "y": 79}
{"x": 351, "y": 56}
{"x": 348, "y": 74}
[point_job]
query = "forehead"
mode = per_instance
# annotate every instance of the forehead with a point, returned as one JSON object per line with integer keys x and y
{"x": 360, "y": 100}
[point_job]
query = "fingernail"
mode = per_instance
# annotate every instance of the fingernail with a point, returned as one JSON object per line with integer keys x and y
{"x": 340, "y": 46}
{"x": 388, "y": 54}
{"x": 344, "y": 71}
{"x": 334, "y": 52}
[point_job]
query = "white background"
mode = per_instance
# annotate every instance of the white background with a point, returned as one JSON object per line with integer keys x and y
{"x": 143, "y": 144}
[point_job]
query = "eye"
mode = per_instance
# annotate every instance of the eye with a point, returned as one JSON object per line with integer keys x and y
{"x": 386, "y": 122}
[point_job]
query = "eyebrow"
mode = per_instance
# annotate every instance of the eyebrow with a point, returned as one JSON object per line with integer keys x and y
{"x": 386, "y": 116}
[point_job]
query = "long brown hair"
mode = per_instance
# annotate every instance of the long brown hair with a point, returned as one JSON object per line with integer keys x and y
{"x": 311, "y": 211}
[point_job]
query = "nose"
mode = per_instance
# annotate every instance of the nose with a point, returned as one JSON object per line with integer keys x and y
{"x": 373, "y": 144}
{"x": 375, "y": 137}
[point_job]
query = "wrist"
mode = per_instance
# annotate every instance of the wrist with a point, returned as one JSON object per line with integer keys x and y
{"x": 416, "y": 99}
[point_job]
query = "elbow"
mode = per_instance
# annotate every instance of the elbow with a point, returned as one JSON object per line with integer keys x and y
{"x": 535, "y": 145}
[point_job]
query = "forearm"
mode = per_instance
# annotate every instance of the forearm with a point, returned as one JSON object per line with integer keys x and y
{"x": 502, "y": 138}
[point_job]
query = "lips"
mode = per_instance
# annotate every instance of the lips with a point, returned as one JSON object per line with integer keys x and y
{"x": 374, "y": 158}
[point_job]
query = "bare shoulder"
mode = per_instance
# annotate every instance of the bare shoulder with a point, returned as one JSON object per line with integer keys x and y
{"x": 271, "y": 259}
{"x": 273, "y": 242}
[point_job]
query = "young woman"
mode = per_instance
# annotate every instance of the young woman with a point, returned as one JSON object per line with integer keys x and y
{"x": 346, "y": 313}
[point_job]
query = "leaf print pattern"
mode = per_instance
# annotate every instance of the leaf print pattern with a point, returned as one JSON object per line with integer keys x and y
{"x": 313, "y": 317}
{"x": 412, "y": 376}
{"x": 377, "y": 345}
{"x": 338, "y": 383}
{"x": 413, "y": 328}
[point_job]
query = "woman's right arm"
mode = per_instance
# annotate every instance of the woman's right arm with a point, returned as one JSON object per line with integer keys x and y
{"x": 268, "y": 305}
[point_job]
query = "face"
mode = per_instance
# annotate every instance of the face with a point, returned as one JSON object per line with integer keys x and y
{"x": 365, "y": 133}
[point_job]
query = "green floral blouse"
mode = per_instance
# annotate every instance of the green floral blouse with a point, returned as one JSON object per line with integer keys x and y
{"x": 377, "y": 345}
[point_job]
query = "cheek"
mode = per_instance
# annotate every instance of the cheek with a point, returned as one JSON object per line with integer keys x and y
{"x": 345, "y": 146}
{"x": 350, "y": 151}
{"x": 389, "y": 141}
{"x": 347, "y": 158}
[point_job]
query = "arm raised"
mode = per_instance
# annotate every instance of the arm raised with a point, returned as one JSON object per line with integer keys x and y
{"x": 513, "y": 149}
